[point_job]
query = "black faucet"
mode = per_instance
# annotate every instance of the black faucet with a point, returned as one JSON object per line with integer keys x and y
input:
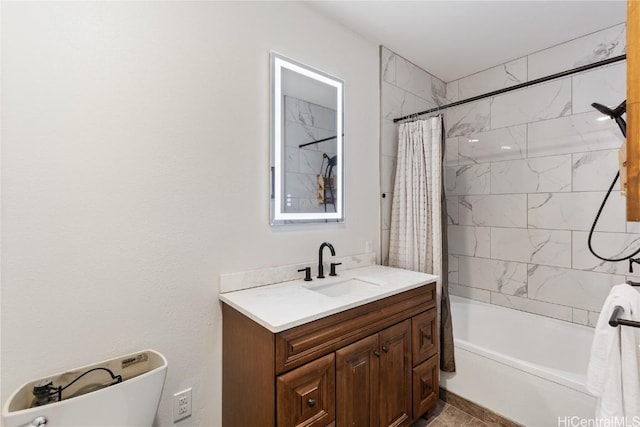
{"x": 320, "y": 265}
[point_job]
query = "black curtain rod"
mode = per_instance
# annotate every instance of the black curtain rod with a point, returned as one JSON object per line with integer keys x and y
{"x": 518, "y": 86}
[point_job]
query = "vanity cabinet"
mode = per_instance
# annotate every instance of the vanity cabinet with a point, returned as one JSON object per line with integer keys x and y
{"x": 372, "y": 365}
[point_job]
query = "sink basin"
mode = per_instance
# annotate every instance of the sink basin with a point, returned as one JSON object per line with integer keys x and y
{"x": 344, "y": 288}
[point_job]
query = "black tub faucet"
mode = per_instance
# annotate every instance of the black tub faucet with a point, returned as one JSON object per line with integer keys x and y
{"x": 320, "y": 265}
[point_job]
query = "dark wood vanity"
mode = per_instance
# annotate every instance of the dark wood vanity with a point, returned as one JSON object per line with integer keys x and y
{"x": 372, "y": 365}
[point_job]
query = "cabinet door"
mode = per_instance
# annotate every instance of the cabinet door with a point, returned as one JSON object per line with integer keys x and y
{"x": 425, "y": 386}
{"x": 356, "y": 383}
{"x": 424, "y": 336}
{"x": 306, "y": 395}
{"x": 395, "y": 375}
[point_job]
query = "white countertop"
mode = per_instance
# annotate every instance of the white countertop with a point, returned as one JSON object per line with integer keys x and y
{"x": 288, "y": 304}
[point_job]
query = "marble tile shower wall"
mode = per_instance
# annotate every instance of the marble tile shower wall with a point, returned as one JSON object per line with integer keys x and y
{"x": 525, "y": 174}
{"x": 405, "y": 89}
{"x": 306, "y": 122}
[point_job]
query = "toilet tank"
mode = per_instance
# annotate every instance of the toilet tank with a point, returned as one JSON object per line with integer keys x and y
{"x": 95, "y": 399}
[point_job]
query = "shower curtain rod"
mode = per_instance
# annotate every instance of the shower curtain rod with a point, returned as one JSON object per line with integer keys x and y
{"x": 518, "y": 86}
{"x": 320, "y": 140}
{"x": 316, "y": 142}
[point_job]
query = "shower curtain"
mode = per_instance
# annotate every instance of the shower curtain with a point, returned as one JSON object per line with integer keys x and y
{"x": 418, "y": 239}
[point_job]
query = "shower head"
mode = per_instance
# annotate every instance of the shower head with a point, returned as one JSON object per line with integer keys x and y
{"x": 616, "y": 112}
{"x": 332, "y": 160}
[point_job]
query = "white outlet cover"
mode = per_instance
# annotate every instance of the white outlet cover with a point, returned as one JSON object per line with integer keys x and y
{"x": 181, "y": 405}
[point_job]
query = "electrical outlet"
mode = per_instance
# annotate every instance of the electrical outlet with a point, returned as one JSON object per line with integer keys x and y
{"x": 181, "y": 405}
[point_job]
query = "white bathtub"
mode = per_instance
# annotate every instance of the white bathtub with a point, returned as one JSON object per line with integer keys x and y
{"x": 528, "y": 368}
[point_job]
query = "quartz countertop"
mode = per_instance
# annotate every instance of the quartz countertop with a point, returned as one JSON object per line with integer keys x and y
{"x": 282, "y": 306}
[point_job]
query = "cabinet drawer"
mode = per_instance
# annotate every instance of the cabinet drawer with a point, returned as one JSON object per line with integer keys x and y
{"x": 306, "y": 396}
{"x": 425, "y": 386}
{"x": 304, "y": 343}
{"x": 424, "y": 328}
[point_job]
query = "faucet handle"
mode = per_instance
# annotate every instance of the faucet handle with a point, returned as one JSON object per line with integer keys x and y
{"x": 333, "y": 268}
{"x": 307, "y": 273}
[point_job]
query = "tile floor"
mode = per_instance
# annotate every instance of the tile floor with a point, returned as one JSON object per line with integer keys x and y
{"x": 446, "y": 415}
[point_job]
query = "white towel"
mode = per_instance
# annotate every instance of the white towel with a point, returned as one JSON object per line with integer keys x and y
{"x": 614, "y": 373}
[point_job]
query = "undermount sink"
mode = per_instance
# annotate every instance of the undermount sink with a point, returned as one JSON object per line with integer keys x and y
{"x": 342, "y": 288}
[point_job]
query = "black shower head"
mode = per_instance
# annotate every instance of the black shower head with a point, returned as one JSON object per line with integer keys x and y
{"x": 332, "y": 160}
{"x": 604, "y": 110}
{"x": 616, "y": 112}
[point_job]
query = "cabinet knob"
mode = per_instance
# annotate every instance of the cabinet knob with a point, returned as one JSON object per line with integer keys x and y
{"x": 384, "y": 348}
{"x": 311, "y": 403}
{"x": 377, "y": 353}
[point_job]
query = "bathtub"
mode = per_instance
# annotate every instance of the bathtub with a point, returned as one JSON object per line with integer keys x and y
{"x": 528, "y": 368}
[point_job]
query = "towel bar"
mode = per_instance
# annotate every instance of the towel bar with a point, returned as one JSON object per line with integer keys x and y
{"x": 615, "y": 320}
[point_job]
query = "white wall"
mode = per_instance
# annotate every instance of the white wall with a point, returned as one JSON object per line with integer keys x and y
{"x": 135, "y": 152}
